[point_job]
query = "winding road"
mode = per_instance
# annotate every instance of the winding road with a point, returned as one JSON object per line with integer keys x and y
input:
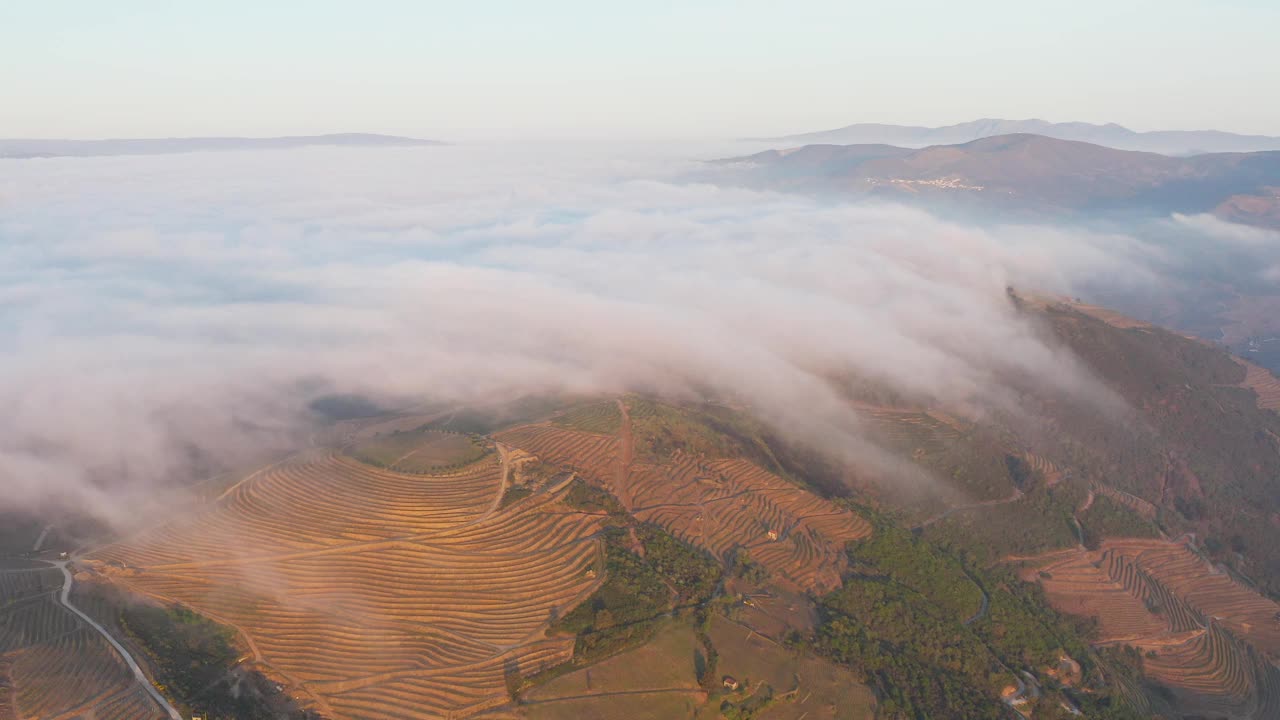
{"x": 65, "y": 601}
{"x": 982, "y": 609}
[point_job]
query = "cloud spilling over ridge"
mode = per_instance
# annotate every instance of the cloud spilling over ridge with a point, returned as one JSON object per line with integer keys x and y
{"x": 153, "y": 310}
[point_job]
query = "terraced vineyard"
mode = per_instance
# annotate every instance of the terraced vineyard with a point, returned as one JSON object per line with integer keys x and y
{"x": 1264, "y": 383}
{"x": 375, "y": 594}
{"x": 52, "y": 665}
{"x": 1143, "y": 508}
{"x": 592, "y": 454}
{"x": 916, "y": 432}
{"x": 1215, "y": 675}
{"x": 727, "y": 505}
{"x": 1046, "y": 468}
{"x": 1078, "y": 585}
{"x": 598, "y": 417}
{"x": 1210, "y": 591}
{"x": 1211, "y": 640}
{"x": 719, "y": 505}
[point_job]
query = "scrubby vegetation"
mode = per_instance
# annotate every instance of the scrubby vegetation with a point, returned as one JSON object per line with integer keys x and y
{"x": 895, "y": 553}
{"x": 515, "y": 494}
{"x": 1106, "y": 518}
{"x": 422, "y": 450}
{"x": 591, "y": 498}
{"x": 923, "y": 663}
{"x": 648, "y": 573}
{"x": 1203, "y": 446}
{"x": 625, "y": 610}
{"x": 912, "y": 618}
{"x": 193, "y": 656}
{"x": 1039, "y": 521}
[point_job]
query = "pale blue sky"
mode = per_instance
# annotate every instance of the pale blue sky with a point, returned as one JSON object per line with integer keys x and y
{"x": 95, "y": 68}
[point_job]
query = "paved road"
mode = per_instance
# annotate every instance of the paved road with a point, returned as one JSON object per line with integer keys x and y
{"x": 982, "y": 610}
{"x": 64, "y": 598}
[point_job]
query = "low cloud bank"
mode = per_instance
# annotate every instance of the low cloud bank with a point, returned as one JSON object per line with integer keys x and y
{"x": 163, "y": 309}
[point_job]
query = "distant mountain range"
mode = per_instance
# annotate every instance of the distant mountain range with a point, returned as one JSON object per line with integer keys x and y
{"x": 1028, "y": 173}
{"x": 1167, "y": 142}
{"x": 34, "y": 148}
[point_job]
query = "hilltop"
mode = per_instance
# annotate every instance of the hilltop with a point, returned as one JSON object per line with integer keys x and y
{"x": 1023, "y": 173}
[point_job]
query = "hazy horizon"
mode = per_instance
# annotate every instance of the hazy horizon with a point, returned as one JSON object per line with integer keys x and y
{"x": 701, "y": 69}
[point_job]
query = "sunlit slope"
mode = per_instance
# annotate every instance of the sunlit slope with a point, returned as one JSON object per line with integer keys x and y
{"x": 1195, "y": 447}
{"x": 376, "y": 594}
{"x": 1205, "y": 636}
{"x": 721, "y": 504}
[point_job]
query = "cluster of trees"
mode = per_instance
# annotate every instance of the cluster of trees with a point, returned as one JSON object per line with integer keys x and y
{"x": 747, "y": 708}
{"x": 515, "y": 493}
{"x": 745, "y": 567}
{"x": 642, "y": 586}
{"x": 385, "y": 457}
{"x": 660, "y": 430}
{"x": 894, "y": 552}
{"x": 923, "y": 663}
{"x": 1107, "y": 518}
{"x": 693, "y": 574}
{"x": 591, "y": 498}
{"x": 1041, "y": 520}
{"x": 938, "y": 638}
{"x": 193, "y": 656}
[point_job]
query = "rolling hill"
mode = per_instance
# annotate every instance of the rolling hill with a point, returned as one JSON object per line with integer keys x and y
{"x": 637, "y": 554}
{"x": 1167, "y": 142}
{"x": 1021, "y": 173}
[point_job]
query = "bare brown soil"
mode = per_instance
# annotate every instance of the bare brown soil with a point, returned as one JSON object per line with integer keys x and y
{"x": 1142, "y": 507}
{"x": 721, "y": 505}
{"x": 1264, "y": 383}
{"x": 376, "y": 594}
{"x": 1208, "y": 637}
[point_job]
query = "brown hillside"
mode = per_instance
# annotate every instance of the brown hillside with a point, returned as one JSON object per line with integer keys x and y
{"x": 720, "y": 505}
{"x": 1264, "y": 383}
{"x": 1262, "y": 209}
{"x": 1209, "y": 638}
{"x": 372, "y": 593}
{"x": 1026, "y": 171}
